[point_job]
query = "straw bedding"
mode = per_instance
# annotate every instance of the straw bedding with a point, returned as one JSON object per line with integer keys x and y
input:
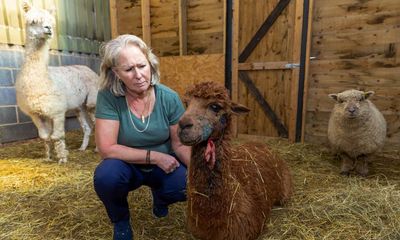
{"x": 45, "y": 200}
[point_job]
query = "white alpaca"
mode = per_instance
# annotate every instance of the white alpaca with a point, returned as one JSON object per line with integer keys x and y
{"x": 46, "y": 93}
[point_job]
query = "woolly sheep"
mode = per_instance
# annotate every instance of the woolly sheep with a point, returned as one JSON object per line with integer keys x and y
{"x": 230, "y": 190}
{"x": 46, "y": 93}
{"x": 356, "y": 130}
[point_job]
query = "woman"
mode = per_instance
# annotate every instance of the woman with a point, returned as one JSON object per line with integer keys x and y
{"x": 136, "y": 133}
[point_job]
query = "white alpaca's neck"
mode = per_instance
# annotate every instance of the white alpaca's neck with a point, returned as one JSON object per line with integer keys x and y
{"x": 34, "y": 71}
{"x": 37, "y": 53}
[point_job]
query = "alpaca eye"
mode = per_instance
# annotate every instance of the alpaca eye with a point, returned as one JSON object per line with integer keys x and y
{"x": 215, "y": 107}
{"x": 340, "y": 101}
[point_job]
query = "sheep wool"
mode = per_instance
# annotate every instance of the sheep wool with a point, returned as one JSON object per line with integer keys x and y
{"x": 356, "y": 130}
{"x": 231, "y": 190}
{"x": 47, "y": 93}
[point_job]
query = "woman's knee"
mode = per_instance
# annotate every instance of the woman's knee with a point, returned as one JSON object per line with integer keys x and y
{"x": 111, "y": 173}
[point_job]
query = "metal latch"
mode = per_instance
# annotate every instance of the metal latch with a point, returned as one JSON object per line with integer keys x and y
{"x": 292, "y": 65}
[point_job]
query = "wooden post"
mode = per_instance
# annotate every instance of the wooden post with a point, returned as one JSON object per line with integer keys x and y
{"x": 113, "y": 18}
{"x": 298, "y": 19}
{"x": 182, "y": 27}
{"x": 146, "y": 28}
{"x": 307, "y": 68}
{"x": 235, "y": 62}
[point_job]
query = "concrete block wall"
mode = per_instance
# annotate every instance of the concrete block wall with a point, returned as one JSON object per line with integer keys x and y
{"x": 15, "y": 125}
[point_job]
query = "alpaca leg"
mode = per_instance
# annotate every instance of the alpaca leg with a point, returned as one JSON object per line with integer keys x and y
{"x": 44, "y": 129}
{"x": 92, "y": 116}
{"x": 58, "y": 136}
{"x": 86, "y": 128}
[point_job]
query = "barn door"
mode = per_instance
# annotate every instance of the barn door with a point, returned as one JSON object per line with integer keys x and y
{"x": 266, "y": 65}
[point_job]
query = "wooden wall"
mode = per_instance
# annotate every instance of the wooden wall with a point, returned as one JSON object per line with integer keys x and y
{"x": 204, "y": 21}
{"x": 356, "y": 45}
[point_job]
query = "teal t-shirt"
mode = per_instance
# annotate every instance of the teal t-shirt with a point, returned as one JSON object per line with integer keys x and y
{"x": 167, "y": 111}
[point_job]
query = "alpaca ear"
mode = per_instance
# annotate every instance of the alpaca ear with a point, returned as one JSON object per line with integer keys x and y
{"x": 26, "y": 6}
{"x": 52, "y": 10}
{"x": 333, "y": 96}
{"x": 239, "y": 108}
{"x": 368, "y": 94}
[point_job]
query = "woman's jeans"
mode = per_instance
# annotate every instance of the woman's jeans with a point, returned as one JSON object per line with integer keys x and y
{"x": 114, "y": 179}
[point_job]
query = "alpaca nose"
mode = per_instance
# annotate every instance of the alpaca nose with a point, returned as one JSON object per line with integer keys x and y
{"x": 47, "y": 29}
{"x": 185, "y": 123}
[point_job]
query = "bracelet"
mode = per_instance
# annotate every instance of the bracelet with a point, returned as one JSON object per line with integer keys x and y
{"x": 148, "y": 157}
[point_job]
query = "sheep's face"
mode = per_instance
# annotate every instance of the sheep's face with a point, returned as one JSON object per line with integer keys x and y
{"x": 39, "y": 22}
{"x": 350, "y": 103}
{"x": 207, "y": 115}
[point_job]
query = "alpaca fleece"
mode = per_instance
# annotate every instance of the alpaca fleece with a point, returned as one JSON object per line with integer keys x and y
{"x": 46, "y": 93}
{"x": 231, "y": 197}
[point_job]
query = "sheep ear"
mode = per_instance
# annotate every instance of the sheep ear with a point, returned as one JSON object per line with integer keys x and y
{"x": 26, "y": 6}
{"x": 333, "y": 96}
{"x": 368, "y": 94}
{"x": 239, "y": 108}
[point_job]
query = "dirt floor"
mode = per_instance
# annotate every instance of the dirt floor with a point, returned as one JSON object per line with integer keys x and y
{"x": 45, "y": 200}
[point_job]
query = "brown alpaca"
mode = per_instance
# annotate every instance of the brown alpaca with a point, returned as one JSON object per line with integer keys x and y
{"x": 231, "y": 190}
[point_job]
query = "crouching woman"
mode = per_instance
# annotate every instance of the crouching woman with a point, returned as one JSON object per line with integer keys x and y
{"x": 136, "y": 133}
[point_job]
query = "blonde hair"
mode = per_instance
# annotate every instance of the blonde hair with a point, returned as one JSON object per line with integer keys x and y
{"x": 109, "y": 53}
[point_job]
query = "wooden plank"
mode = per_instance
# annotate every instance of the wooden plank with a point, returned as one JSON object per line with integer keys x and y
{"x": 307, "y": 68}
{"x": 3, "y": 23}
{"x": 62, "y": 28}
{"x": 356, "y": 22}
{"x": 348, "y": 41}
{"x": 361, "y": 51}
{"x": 14, "y": 21}
{"x": 70, "y": 22}
{"x": 352, "y": 7}
{"x": 129, "y": 12}
{"x": 113, "y": 18}
{"x": 146, "y": 24}
{"x": 266, "y": 65}
{"x": 235, "y": 61}
{"x": 182, "y": 27}
{"x": 294, "y": 88}
{"x": 106, "y": 22}
{"x": 99, "y": 5}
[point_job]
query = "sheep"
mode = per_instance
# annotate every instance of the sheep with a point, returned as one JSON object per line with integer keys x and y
{"x": 47, "y": 93}
{"x": 356, "y": 130}
{"x": 230, "y": 190}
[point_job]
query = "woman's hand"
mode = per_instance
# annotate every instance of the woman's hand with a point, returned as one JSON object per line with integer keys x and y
{"x": 164, "y": 161}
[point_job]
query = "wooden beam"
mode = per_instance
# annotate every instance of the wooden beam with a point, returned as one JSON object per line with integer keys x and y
{"x": 235, "y": 61}
{"x": 294, "y": 88}
{"x": 182, "y": 27}
{"x": 282, "y": 131}
{"x": 266, "y": 66}
{"x": 146, "y": 24}
{"x": 307, "y": 68}
{"x": 113, "y": 18}
{"x": 263, "y": 30}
